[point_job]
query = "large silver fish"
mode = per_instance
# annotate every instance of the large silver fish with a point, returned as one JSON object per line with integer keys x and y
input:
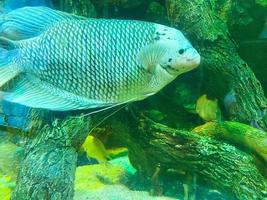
{"x": 66, "y": 62}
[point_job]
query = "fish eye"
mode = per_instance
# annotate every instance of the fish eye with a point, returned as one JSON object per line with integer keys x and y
{"x": 181, "y": 51}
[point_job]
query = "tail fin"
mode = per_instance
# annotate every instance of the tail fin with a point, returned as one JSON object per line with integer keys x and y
{"x": 8, "y": 56}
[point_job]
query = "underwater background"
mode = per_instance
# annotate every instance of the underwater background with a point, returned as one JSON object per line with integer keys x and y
{"x": 202, "y": 137}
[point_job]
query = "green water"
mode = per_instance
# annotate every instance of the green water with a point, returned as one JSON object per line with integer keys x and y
{"x": 202, "y": 137}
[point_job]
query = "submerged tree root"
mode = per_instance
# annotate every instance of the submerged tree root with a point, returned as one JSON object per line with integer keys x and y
{"x": 49, "y": 165}
{"x": 48, "y": 169}
{"x": 216, "y": 163}
{"x": 251, "y": 139}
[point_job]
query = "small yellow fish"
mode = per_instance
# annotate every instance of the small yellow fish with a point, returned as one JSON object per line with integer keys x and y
{"x": 208, "y": 109}
{"x": 94, "y": 148}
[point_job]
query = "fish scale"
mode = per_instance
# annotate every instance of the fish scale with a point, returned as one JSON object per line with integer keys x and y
{"x": 100, "y": 84}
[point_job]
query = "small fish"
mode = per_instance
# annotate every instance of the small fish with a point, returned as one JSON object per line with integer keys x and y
{"x": 94, "y": 148}
{"x": 208, "y": 109}
{"x": 66, "y": 62}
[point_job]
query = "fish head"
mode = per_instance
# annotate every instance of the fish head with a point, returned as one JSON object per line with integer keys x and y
{"x": 179, "y": 55}
{"x": 167, "y": 56}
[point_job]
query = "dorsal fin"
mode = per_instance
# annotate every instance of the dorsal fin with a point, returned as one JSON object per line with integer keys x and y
{"x": 28, "y": 22}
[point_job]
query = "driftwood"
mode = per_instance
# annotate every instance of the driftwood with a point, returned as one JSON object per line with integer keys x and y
{"x": 208, "y": 152}
{"x": 251, "y": 139}
{"x": 216, "y": 163}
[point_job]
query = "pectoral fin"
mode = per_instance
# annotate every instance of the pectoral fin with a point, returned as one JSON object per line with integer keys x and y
{"x": 150, "y": 56}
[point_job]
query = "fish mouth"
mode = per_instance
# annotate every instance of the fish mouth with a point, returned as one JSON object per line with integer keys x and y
{"x": 170, "y": 70}
{"x": 195, "y": 61}
{"x": 191, "y": 63}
